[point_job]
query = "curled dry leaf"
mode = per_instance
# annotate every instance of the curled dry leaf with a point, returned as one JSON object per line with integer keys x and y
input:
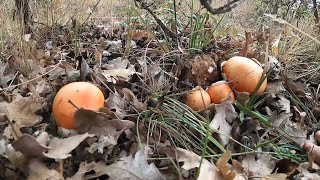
{"x": 60, "y": 148}
{"x": 38, "y": 170}
{"x": 102, "y": 124}
{"x": 224, "y": 167}
{"x": 278, "y": 119}
{"x": 263, "y": 166}
{"x": 29, "y": 146}
{"x": 296, "y": 88}
{"x": 191, "y": 160}
{"x": 225, "y": 113}
{"x": 99, "y": 123}
{"x": 316, "y": 111}
{"x": 43, "y": 88}
{"x": 136, "y": 168}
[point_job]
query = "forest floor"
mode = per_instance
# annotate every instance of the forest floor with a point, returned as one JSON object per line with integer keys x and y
{"x": 146, "y": 62}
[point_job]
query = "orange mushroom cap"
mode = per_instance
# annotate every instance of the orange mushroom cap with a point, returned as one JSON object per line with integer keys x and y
{"x": 197, "y": 99}
{"x": 82, "y": 94}
{"x": 219, "y": 91}
{"x": 244, "y": 74}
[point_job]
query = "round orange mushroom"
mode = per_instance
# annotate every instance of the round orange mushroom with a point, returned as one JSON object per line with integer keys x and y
{"x": 81, "y": 94}
{"x": 219, "y": 91}
{"x": 244, "y": 74}
{"x": 198, "y": 99}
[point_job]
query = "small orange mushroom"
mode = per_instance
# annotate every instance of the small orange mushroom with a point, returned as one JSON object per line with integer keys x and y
{"x": 198, "y": 99}
{"x": 219, "y": 91}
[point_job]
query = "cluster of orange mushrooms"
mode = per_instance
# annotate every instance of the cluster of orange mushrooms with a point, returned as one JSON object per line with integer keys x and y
{"x": 243, "y": 75}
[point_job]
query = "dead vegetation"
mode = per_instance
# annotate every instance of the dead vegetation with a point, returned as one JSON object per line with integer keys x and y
{"x": 145, "y": 57}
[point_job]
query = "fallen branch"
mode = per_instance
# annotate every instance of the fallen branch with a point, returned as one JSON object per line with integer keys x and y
{"x": 223, "y": 9}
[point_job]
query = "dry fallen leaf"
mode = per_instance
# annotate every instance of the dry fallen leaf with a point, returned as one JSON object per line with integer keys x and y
{"x": 225, "y": 113}
{"x": 279, "y": 176}
{"x": 117, "y": 104}
{"x": 118, "y": 70}
{"x": 191, "y": 160}
{"x": 305, "y": 174}
{"x": 3, "y": 147}
{"x": 129, "y": 96}
{"x": 22, "y": 110}
{"x": 136, "y": 168}
{"x": 5, "y": 78}
{"x": 105, "y": 141}
{"x": 275, "y": 87}
{"x": 29, "y": 146}
{"x": 99, "y": 168}
{"x": 38, "y": 170}
{"x": 99, "y": 123}
{"x": 278, "y": 119}
{"x": 296, "y": 88}
{"x": 284, "y": 104}
{"x": 296, "y": 131}
{"x": 263, "y": 166}
{"x": 60, "y": 148}
{"x": 102, "y": 124}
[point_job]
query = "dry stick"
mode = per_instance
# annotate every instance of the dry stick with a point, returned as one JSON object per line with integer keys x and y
{"x": 176, "y": 22}
{"x": 248, "y": 43}
{"x": 69, "y": 101}
{"x": 61, "y": 167}
{"x": 12, "y": 81}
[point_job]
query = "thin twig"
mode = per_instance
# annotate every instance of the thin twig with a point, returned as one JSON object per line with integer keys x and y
{"x": 93, "y": 9}
{"x": 281, "y": 21}
{"x": 1, "y": 90}
{"x": 165, "y": 29}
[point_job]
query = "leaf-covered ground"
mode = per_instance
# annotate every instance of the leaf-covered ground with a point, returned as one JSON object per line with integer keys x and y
{"x": 145, "y": 131}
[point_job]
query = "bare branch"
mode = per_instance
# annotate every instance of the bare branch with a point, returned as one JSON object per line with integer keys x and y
{"x": 223, "y": 9}
{"x": 166, "y": 30}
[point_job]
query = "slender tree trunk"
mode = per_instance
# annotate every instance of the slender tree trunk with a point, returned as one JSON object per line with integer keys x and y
{"x": 315, "y": 13}
{"x": 23, "y": 13}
